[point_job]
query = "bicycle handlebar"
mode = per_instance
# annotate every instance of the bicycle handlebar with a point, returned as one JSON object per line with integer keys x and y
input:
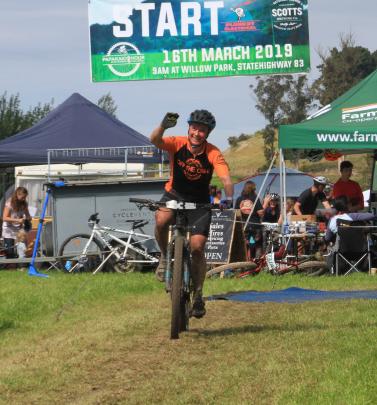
{"x": 172, "y": 204}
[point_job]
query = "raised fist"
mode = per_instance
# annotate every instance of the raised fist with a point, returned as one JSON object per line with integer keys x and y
{"x": 170, "y": 120}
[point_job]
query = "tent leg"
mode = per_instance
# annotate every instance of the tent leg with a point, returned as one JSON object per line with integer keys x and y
{"x": 32, "y": 270}
{"x": 261, "y": 188}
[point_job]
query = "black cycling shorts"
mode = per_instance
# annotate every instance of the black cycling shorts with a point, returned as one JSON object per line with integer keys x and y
{"x": 199, "y": 220}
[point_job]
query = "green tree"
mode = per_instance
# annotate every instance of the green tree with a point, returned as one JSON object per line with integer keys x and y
{"x": 107, "y": 103}
{"x": 282, "y": 99}
{"x": 13, "y": 119}
{"x": 341, "y": 69}
{"x": 270, "y": 93}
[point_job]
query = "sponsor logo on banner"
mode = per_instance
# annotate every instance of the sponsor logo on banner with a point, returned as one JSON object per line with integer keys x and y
{"x": 362, "y": 113}
{"x": 123, "y": 59}
{"x": 287, "y": 15}
{"x": 240, "y": 18}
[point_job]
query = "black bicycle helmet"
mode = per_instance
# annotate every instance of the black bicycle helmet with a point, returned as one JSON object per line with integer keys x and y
{"x": 203, "y": 117}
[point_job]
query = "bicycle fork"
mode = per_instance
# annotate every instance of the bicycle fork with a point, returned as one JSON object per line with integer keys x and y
{"x": 169, "y": 261}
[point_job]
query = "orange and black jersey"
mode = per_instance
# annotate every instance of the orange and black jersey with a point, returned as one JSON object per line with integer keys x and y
{"x": 191, "y": 175}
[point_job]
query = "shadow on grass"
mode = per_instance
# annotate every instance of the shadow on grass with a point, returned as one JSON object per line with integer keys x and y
{"x": 278, "y": 328}
{"x": 4, "y": 325}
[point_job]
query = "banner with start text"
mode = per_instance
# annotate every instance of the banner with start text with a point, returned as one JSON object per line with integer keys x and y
{"x": 154, "y": 39}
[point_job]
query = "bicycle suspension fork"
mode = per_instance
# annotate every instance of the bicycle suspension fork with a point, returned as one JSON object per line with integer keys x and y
{"x": 169, "y": 259}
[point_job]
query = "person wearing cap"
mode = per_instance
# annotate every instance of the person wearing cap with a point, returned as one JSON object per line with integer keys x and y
{"x": 308, "y": 200}
{"x": 193, "y": 160}
{"x": 349, "y": 188}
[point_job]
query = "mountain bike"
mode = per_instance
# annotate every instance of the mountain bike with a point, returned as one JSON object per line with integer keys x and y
{"x": 109, "y": 248}
{"x": 178, "y": 280}
{"x": 275, "y": 260}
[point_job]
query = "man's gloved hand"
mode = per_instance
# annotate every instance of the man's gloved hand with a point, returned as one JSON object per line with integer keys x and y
{"x": 170, "y": 120}
{"x": 226, "y": 204}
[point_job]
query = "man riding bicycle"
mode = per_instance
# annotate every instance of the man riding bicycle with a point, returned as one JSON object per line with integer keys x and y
{"x": 192, "y": 162}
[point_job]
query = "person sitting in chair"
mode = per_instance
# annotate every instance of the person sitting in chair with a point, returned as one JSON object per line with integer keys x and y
{"x": 353, "y": 242}
{"x": 340, "y": 205}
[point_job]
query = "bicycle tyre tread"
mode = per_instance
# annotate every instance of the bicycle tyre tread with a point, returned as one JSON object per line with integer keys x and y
{"x": 176, "y": 288}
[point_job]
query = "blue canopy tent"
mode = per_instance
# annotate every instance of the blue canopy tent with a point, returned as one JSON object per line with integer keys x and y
{"x": 296, "y": 183}
{"x": 75, "y": 132}
{"x": 88, "y": 132}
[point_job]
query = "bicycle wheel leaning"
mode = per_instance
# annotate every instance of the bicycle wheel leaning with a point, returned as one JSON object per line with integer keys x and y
{"x": 71, "y": 257}
{"x": 313, "y": 268}
{"x": 232, "y": 268}
{"x": 177, "y": 293}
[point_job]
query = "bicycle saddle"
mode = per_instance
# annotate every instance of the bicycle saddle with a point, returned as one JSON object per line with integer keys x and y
{"x": 94, "y": 218}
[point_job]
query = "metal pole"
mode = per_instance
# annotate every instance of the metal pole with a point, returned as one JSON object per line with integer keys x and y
{"x": 260, "y": 190}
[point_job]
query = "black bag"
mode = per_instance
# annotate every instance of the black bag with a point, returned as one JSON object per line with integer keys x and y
{"x": 27, "y": 225}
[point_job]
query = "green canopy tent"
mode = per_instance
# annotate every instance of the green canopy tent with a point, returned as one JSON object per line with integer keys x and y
{"x": 349, "y": 123}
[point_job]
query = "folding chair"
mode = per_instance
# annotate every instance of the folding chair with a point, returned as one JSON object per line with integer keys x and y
{"x": 352, "y": 247}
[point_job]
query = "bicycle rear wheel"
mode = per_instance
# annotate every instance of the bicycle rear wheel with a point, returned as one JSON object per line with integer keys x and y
{"x": 177, "y": 294}
{"x": 313, "y": 268}
{"x": 73, "y": 260}
{"x": 232, "y": 268}
{"x": 127, "y": 265}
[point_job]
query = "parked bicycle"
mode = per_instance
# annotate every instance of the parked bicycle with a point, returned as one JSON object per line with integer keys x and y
{"x": 109, "y": 248}
{"x": 178, "y": 280}
{"x": 274, "y": 260}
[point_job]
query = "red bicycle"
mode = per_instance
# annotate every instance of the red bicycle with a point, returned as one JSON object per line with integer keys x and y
{"x": 274, "y": 260}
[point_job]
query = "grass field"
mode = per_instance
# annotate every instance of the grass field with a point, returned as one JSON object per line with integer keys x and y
{"x": 82, "y": 339}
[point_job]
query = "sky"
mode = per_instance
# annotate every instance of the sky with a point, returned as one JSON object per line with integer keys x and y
{"x": 44, "y": 48}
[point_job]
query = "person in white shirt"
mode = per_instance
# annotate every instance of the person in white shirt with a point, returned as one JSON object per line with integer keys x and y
{"x": 340, "y": 206}
{"x": 21, "y": 244}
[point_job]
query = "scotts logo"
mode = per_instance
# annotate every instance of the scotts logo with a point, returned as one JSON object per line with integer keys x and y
{"x": 192, "y": 169}
{"x": 287, "y": 14}
{"x": 123, "y": 59}
{"x": 360, "y": 113}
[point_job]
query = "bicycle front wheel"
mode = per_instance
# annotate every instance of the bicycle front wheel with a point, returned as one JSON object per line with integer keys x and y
{"x": 177, "y": 293}
{"x": 72, "y": 257}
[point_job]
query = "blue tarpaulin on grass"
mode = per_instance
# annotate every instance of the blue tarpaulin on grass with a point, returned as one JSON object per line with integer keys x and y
{"x": 293, "y": 295}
